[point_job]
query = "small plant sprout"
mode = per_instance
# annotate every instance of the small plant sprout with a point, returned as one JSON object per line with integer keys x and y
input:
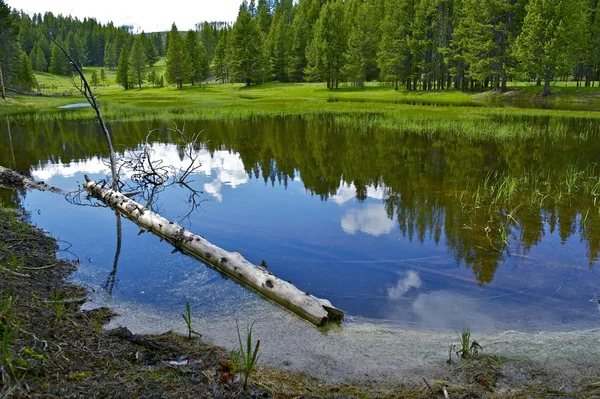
{"x": 246, "y": 358}
{"x": 466, "y": 348}
{"x": 188, "y": 321}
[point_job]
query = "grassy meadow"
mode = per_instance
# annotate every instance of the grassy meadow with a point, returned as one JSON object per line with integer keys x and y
{"x": 500, "y": 115}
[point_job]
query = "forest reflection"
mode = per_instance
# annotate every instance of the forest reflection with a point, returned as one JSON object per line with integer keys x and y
{"x": 484, "y": 199}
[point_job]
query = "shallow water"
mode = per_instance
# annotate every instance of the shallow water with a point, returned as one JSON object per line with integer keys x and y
{"x": 75, "y": 105}
{"x": 384, "y": 224}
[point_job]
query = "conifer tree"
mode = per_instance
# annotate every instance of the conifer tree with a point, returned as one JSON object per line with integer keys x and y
{"x": 246, "y": 47}
{"x": 110, "y": 56}
{"x": 25, "y": 78}
{"x": 360, "y": 63}
{"x": 122, "y": 77}
{"x": 38, "y": 58}
{"x": 198, "y": 60}
{"x": 220, "y": 65}
{"x": 209, "y": 36}
{"x": 552, "y": 33}
{"x": 325, "y": 53}
{"x": 149, "y": 49}
{"x": 394, "y": 57}
{"x": 95, "y": 80}
{"x": 59, "y": 63}
{"x": 137, "y": 67}
{"x": 263, "y": 18}
{"x": 305, "y": 15}
{"x": 177, "y": 64}
{"x": 277, "y": 43}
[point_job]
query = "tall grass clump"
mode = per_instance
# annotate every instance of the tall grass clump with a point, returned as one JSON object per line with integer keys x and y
{"x": 245, "y": 358}
{"x": 187, "y": 317}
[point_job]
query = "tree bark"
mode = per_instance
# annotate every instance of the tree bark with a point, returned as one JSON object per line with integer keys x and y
{"x": 315, "y": 310}
{"x": 547, "y": 78}
{"x": 2, "y": 83}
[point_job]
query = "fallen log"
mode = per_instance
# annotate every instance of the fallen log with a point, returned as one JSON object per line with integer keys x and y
{"x": 316, "y": 310}
{"x": 11, "y": 179}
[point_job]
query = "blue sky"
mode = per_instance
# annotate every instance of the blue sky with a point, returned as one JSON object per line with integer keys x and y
{"x": 143, "y": 15}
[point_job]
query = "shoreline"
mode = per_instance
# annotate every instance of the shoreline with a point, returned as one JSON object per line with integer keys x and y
{"x": 49, "y": 327}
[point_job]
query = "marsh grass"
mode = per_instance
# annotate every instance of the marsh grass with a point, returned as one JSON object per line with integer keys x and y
{"x": 502, "y": 197}
{"x": 371, "y": 108}
{"x": 244, "y": 360}
{"x": 187, "y": 317}
{"x": 467, "y": 348}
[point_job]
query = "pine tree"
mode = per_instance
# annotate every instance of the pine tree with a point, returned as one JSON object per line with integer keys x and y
{"x": 305, "y": 16}
{"x": 220, "y": 65}
{"x": 76, "y": 49}
{"x": 38, "y": 58}
{"x": 137, "y": 67}
{"x": 25, "y": 78}
{"x": 95, "y": 80}
{"x": 110, "y": 56}
{"x": 277, "y": 44}
{"x": 482, "y": 39}
{"x": 103, "y": 76}
{"x": 209, "y": 36}
{"x": 122, "y": 77}
{"x": 59, "y": 63}
{"x": 263, "y": 18}
{"x": 394, "y": 57}
{"x": 362, "y": 44}
{"x": 176, "y": 62}
{"x": 551, "y": 36}
{"x": 198, "y": 60}
{"x": 589, "y": 57}
{"x": 246, "y": 48}
{"x": 325, "y": 53}
{"x": 149, "y": 49}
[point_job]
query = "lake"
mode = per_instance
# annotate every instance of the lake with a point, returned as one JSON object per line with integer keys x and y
{"x": 435, "y": 232}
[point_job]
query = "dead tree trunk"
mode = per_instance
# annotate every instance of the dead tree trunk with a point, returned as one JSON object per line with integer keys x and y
{"x": 2, "y": 83}
{"x": 11, "y": 179}
{"x": 233, "y": 264}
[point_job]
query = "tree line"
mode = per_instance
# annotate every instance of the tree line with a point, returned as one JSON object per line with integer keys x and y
{"x": 420, "y": 44}
{"x": 415, "y": 44}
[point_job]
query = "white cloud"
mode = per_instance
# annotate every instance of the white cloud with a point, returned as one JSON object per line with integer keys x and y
{"x": 348, "y": 191}
{"x": 227, "y": 167}
{"x": 48, "y": 170}
{"x": 214, "y": 188}
{"x": 411, "y": 280}
{"x": 372, "y": 220}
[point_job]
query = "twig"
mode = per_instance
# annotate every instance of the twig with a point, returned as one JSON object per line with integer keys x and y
{"x": 428, "y": 386}
{"x": 14, "y": 273}
{"x": 40, "y": 268}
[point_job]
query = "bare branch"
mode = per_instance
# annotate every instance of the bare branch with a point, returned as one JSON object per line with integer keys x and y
{"x": 86, "y": 90}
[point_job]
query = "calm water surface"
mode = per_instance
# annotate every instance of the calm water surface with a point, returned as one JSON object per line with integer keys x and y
{"x": 404, "y": 228}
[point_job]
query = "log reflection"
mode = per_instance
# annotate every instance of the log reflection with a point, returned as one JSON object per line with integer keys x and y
{"x": 112, "y": 276}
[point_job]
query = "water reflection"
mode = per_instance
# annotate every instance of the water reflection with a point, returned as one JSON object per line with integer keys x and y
{"x": 371, "y": 219}
{"x": 511, "y": 218}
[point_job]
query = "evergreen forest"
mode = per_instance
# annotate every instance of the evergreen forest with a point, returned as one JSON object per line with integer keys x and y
{"x": 467, "y": 45}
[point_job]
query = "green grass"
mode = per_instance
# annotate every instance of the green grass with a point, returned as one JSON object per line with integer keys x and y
{"x": 375, "y": 106}
{"x": 244, "y": 360}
